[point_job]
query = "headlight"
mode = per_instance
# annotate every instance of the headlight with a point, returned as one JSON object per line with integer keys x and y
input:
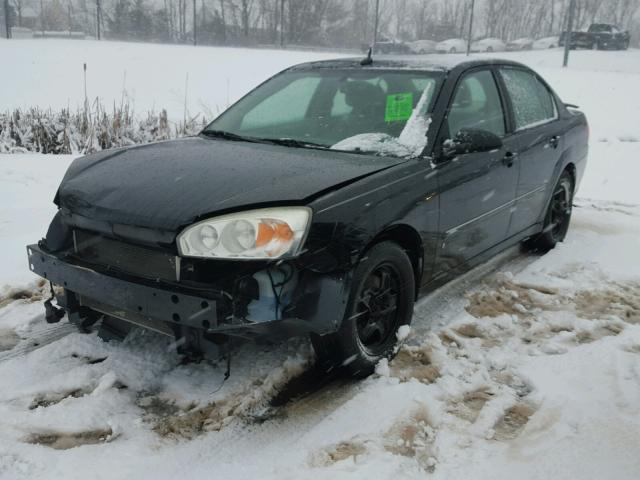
{"x": 257, "y": 234}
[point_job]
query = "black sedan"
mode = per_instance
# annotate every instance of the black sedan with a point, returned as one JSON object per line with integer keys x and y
{"x": 322, "y": 203}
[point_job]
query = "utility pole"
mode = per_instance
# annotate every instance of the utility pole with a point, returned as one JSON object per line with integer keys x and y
{"x": 281, "y": 23}
{"x": 567, "y": 35}
{"x": 195, "y": 28}
{"x": 7, "y": 20}
{"x": 469, "y": 36}
{"x": 98, "y": 15}
{"x": 375, "y": 26}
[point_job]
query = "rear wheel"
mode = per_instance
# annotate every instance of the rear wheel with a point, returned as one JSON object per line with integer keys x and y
{"x": 381, "y": 301}
{"x": 558, "y": 217}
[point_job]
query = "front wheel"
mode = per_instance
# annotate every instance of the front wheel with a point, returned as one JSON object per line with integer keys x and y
{"x": 381, "y": 301}
{"x": 558, "y": 217}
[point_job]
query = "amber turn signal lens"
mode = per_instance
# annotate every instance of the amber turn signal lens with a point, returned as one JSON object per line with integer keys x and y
{"x": 277, "y": 232}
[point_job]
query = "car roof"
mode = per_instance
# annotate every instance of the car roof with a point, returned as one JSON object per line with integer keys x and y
{"x": 427, "y": 63}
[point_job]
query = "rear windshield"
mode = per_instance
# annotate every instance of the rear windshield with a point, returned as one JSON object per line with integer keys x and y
{"x": 597, "y": 27}
{"x": 368, "y": 111}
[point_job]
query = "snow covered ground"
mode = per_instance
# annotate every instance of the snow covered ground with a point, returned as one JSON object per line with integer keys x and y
{"x": 527, "y": 367}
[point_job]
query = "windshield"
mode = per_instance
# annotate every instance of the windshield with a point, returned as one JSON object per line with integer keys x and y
{"x": 367, "y": 111}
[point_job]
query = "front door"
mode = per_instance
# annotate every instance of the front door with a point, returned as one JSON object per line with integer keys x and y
{"x": 477, "y": 190}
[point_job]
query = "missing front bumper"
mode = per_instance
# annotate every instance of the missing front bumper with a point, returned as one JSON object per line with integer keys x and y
{"x": 127, "y": 297}
{"x": 316, "y": 305}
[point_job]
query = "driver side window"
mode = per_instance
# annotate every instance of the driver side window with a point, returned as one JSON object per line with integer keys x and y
{"x": 476, "y": 105}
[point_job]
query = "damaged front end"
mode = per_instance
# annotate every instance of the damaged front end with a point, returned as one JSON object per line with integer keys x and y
{"x": 137, "y": 276}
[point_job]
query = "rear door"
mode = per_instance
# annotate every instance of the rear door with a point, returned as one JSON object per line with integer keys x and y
{"x": 476, "y": 189}
{"x": 538, "y": 133}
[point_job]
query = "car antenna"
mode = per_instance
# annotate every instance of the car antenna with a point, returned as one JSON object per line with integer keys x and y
{"x": 367, "y": 60}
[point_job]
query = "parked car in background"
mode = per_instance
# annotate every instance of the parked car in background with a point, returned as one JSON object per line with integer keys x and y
{"x": 488, "y": 45}
{"x": 524, "y": 43}
{"x": 423, "y": 46}
{"x": 546, "y": 42}
{"x": 324, "y": 216}
{"x": 390, "y": 45}
{"x": 21, "y": 32}
{"x": 453, "y": 45}
{"x": 599, "y": 36}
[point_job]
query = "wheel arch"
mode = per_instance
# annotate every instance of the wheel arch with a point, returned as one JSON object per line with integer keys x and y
{"x": 571, "y": 168}
{"x": 409, "y": 240}
{"x": 561, "y": 167}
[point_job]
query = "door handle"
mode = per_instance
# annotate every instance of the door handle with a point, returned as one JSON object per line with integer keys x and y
{"x": 554, "y": 141}
{"x": 508, "y": 159}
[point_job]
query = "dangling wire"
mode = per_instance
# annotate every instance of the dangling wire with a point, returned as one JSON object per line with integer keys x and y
{"x": 227, "y": 373}
{"x": 286, "y": 278}
{"x": 53, "y": 295}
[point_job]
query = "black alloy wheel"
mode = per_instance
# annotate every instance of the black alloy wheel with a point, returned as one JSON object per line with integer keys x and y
{"x": 381, "y": 301}
{"x": 558, "y": 217}
{"x": 560, "y": 210}
{"x": 376, "y": 308}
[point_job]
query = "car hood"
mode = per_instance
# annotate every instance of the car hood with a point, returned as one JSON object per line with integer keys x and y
{"x": 168, "y": 185}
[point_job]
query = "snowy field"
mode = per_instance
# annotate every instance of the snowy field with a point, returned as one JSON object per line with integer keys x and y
{"x": 527, "y": 367}
{"x": 151, "y": 76}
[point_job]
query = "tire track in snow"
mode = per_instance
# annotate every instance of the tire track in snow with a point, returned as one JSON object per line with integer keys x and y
{"x": 38, "y": 339}
{"x": 314, "y": 401}
{"x": 311, "y": 403}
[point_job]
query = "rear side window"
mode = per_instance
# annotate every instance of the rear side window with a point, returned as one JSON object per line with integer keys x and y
{"x": 532, "y": 102}
{"x": 476, "y": 104}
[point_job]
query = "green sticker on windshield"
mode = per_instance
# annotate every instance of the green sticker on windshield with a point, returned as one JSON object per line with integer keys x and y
{"x": 399, "y": 107}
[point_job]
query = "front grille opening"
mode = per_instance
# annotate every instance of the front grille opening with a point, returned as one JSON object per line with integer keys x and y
{"x": 115, "y": 255}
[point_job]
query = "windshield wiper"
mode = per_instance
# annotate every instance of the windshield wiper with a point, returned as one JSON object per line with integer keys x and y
{"x": 230, "y": 136}
{"x": 291, "y": 142}
{"x": 287, "y": 142}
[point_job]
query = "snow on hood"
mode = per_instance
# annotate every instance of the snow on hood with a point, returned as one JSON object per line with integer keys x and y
{"x": 411, "y": 142}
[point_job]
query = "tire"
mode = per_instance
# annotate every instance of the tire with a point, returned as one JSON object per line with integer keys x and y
{"x": 374, "y": 313}
{"x": 453, "y": 50}
{"x": 489, "y": 49}
{"x": 557, "y": 218}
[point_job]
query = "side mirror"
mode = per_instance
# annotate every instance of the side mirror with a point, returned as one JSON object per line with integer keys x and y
{"x": 469, "y": 140}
